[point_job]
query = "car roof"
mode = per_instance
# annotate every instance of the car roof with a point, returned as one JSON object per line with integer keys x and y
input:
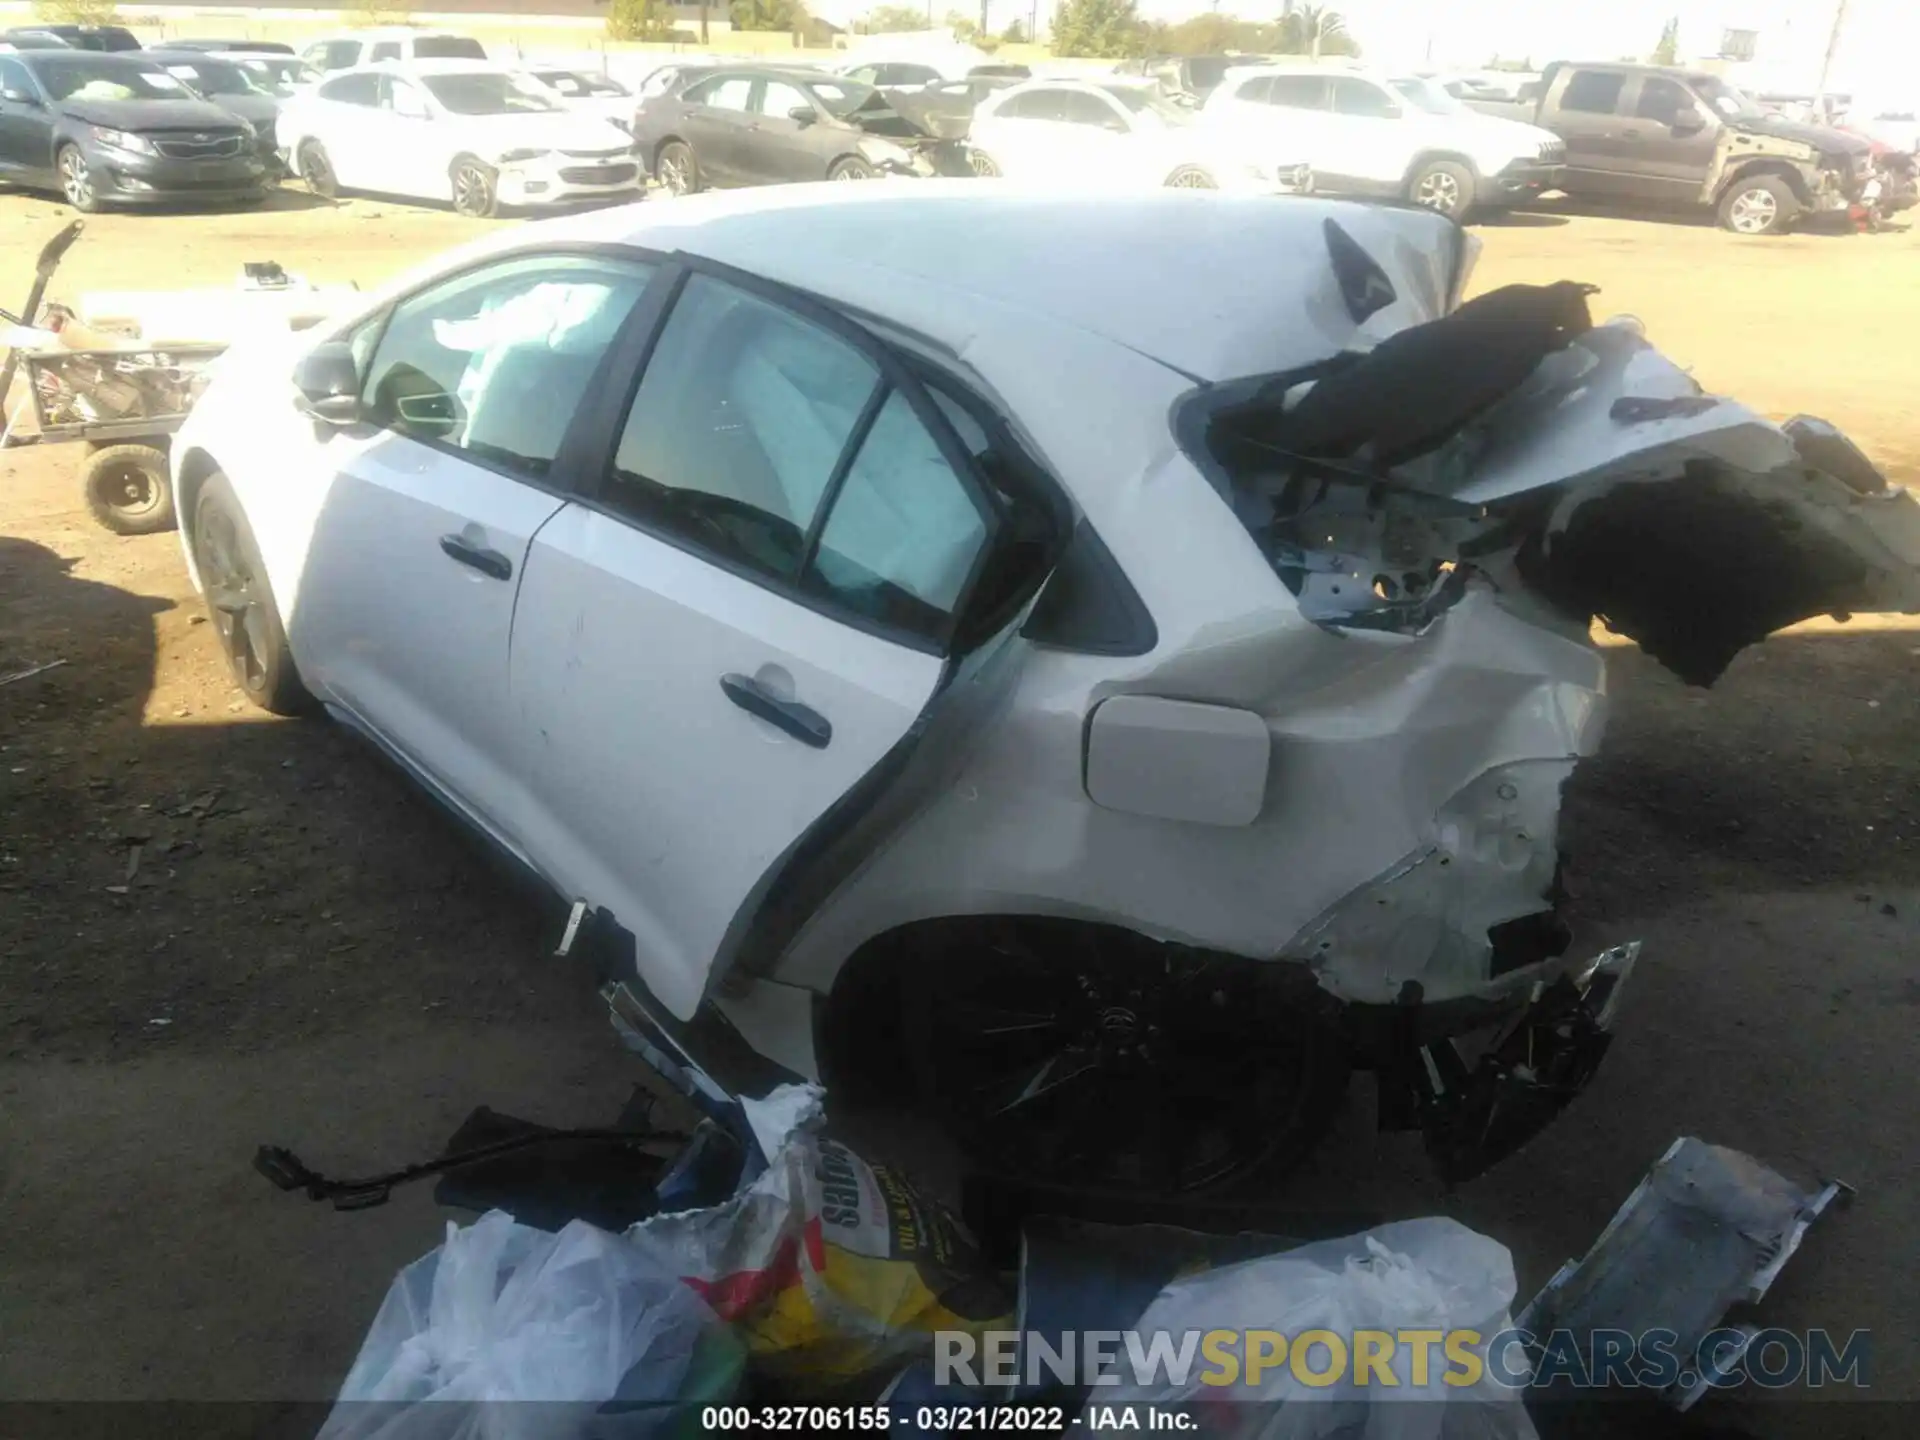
{"x": 92, "y": 57}
{"x": 1201, "y": 281}
{"x": 437, "y": 65}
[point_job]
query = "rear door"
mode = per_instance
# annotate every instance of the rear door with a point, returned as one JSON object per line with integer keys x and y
{"x": 344, "y": 118}
{"x": 1588, "y": 111}
{"x": 746, "y": 618}
{"x": 715, "y": 124}
{"x": 407, "y": 598}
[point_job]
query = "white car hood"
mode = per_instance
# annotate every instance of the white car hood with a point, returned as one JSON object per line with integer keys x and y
{"x": 561, "y": 130}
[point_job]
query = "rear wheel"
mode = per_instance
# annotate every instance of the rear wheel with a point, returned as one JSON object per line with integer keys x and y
{"x": 240, "y": 602}
{"x": 76, "y": 180}
{"x": 316, "y": 170}
{"x": 1764, "y": 205}
{"x": 1080, "y": 1055}
{"x": 983, "y": 165}
{"x": 476, "y": 189}
{"x": 852, "y": 167}
{"x": 676, "y": 168}
{"x": 128, "y": 489}
{"x": 1443, "y": 185}
{"x": 1191, "y": 177}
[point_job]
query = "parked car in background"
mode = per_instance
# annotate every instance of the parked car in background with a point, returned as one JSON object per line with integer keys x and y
{"x": 1188, "y": 79}
{"x": 477, "y": 135}
{"x": 763, "y": 125}
{"x": 261, "y": 47}
{"x": 1118, "y": 132}
{"x": 231, "y": 87}
{"x": 1899, "y": 129}
{"x": 370, "y": 47}
{"x": 108, "y": 38}
{"x": 930, "y": 644}
{"x": 1366, "y": 133}
{"x": 892, "y": 74}
{"x": 105, "y": 129}
{"x": 279, "y": 75}
{"x": 585, "y": 93}
{"x": 1666, "y": 137}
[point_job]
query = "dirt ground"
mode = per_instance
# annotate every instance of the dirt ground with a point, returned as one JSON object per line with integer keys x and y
{"x": 307, "y": 954}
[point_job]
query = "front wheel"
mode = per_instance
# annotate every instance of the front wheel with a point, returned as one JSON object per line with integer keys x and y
{"x": 476, "y": 190}
{"x": 983, "y": 165}
{"x": 316, "y": 170}
{"x": 1445, "y": 186}
{"x": 851, "y": 168}
{"x": 76, "y": 180}
{"x": 128, "y": 490}
{"x": 240, "y": 602}
{"x": 1764, "y": 205}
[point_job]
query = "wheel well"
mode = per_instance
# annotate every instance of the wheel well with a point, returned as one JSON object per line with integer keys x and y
{"x": 195, "y": 466}
{"x": 461, "y": 159}
{"x": 1428, "y": 157}
{"x": 1779, "y": 169}
{"x": 666, "y": 140}
{"x": 839, "y": 160}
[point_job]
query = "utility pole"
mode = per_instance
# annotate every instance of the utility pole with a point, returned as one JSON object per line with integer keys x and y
{"x": 1833, "y": 45}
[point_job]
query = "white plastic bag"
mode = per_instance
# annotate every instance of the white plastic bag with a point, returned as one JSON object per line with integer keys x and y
{"x": 505, "y": 1313}
{"x": 1432, "y": 1274}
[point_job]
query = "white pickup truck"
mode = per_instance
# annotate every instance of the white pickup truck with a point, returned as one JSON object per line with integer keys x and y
{"x": 1372, "y": 134}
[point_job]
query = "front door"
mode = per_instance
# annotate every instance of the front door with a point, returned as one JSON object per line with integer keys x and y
{"x": 1366, "y": 133}
{"x": 1672, "y": 139}
{"x": 777, "y": 147}
{"x": 747, "y": 617}
{"x": 407, "y": 599}
{"x": 26, "y": 130}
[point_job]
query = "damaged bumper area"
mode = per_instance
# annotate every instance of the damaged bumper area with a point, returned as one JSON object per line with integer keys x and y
{"x": 911, "y": 135}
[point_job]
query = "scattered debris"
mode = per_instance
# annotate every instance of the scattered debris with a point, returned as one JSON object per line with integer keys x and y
{"x": 31, "y": 671}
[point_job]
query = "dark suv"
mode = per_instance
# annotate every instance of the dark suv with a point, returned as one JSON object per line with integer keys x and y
{"x": 75, "y": 37}
{"x": 119, "y": 129}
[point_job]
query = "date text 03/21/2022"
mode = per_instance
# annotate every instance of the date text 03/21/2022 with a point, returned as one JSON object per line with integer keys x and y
{"x": 955, "y": 1419}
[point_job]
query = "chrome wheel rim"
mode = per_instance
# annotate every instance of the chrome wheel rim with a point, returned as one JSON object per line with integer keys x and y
{"x": 851, "y": 172}
{"x": 315, "y": 170}
{"x": 472, "y": 191}
{"x": 76, "y": 181}
{"x": 1754, "y": 211}
{"x": 1192, "y": 180}
{"x": 983, "y": 165}
{"x": 1439, "y": 191}
{"x": 673, "y": 172}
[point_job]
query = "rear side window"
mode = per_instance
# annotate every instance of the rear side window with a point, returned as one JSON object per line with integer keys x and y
{"x": 493, "y": 363}
{"x": 1593, "y": 92}
{"x": 340, "y": 54}
{"x": 385, "y": 50}
{"x": 1360, "y": 97}
{"x": 1297, "y": 92}
{"x": 448, "y": 47}
{"x": 1079, "y": 108}
{"x": 723, "y": 92}
{"x": 352, "y": 90}
{"x": 1036, "y": 105}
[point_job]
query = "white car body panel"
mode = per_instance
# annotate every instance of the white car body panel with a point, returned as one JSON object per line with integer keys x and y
{"x": 1441, "y": 747}
{"x": 1380, "y": 151}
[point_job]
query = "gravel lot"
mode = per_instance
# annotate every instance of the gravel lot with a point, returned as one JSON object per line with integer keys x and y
{"x": 313, "y": 957}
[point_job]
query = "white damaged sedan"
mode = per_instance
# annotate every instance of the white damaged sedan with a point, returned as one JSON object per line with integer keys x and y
{"x": 1104, "y": 664}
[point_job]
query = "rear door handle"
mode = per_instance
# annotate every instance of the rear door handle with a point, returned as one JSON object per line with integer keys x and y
{"x": 803, "y": 722}
{"x": 487, "y": 562}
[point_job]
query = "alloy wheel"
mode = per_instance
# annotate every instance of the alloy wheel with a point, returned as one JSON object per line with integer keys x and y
{"x": 76, "y": 180}
{"x": 1753, "y": 212}
{"x": 316, "y": 172}
{"x": 472, "y": 191}
{"x": 674, "y": 172}
{"x": 1192, "y": 178}
{"x": 1439, "y": 191}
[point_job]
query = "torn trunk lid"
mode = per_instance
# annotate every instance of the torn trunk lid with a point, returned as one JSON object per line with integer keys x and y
{"x": 906, "y": 115}
{"x": 1516, "y": 441}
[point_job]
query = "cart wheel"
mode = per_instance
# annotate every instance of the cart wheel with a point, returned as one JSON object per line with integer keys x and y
{"x": 128, "y": 489}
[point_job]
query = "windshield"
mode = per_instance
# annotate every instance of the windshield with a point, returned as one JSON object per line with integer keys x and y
{"x": 1724, "y": 98}
{"x": 480, "y": 92}
{"x": 277, "y": 75}
{"x": 1148, "y": 100}
{"x": 448, "y": 47}
{"x": 573, "y": 84}
{"x": 840, "y": 97}
{"x": 1427, "y": 95}
{"x": 213, "y": 77}
{"x": 74, "y": 77}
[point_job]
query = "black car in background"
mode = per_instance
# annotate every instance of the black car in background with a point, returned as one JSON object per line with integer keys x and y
{"x": 220, "y": 47}
{"x": 105, "y": 38}
{"x": 765, "y": 125}
{"x": 119, "y": 129}
{"x": 226, "y": 83}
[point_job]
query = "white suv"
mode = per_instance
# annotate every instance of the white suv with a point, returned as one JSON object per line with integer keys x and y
{"x": 1369, "y": 134}
{"x": 398, "y": 42}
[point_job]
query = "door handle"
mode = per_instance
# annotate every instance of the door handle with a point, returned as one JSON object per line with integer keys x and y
{"x": 803, "y": 722}
{"x": 487, "y": 562}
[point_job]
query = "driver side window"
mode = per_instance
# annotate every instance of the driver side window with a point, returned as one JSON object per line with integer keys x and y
{"x": 493, "y": 363}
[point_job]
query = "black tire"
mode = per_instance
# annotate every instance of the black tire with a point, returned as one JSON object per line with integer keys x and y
{"x": 316, "y": 170}
{"x": 1191, "y": 177}
{"x": 1443, "y": 185}
{"x": 983, "y": 165}
{"x": 1012, "y": 1047}
{"x": 851, "y": 167}
{"x": 76, "y": 179}
{"x": 677, "y": 168}
{"x": 246, "y": 620}
{"x": 476, "y": 188}
{"x": 1762, "y": 205}
{"x": 128, "y": 489}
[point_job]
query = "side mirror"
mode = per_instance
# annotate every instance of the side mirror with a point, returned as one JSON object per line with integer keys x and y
{"x": 802, "y": 115}
{"x": 20, "y": 97}
{"x": 1688, "y": 122}
{"x": 329, "y": 383}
